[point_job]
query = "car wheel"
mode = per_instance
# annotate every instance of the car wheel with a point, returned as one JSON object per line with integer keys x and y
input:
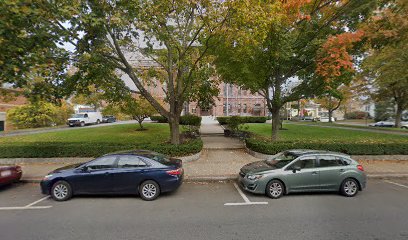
{"x": 404, "y": 127}
{"x": 98, "y": 121}
{"x": 149, "y": 190}
{"x": 275, "y": 189}
{"x": 349, "y": 187}
{"x": 61, "y": 191}
{"x": 82, "y": 124}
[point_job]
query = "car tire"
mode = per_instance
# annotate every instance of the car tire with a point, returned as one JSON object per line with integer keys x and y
{"x": 98, "y": 121}
{"x": 275, "y": 189}
{"x": 349, "y": 187}
{"x": 149, "y": 190}
{"x": 404, "y": 127}
{"x": 61, "y": 191}
{"x": 82, "y": 124}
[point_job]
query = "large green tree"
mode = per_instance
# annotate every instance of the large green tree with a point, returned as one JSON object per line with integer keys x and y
{"x": 385, "y": 66}
{"x": 289, "y": 50}
{"x": 107, "y": 40}
{"x": 173, "y": 35}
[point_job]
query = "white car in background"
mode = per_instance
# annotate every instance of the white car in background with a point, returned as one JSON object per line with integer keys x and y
{"x": 404, "y": 125}
{"x": 326, "y": 119}
{"x": 82, "y": 119}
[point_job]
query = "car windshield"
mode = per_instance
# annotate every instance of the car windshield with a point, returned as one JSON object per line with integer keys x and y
{"x": 77, "y": 115}
{"x": 281, "y": 159}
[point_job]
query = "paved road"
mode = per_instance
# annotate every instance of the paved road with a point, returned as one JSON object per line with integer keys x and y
{"x": 198, "y": 211}
{"x": 59, "y": 129}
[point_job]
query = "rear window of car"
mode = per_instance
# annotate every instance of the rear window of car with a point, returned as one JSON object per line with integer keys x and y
{"x": 158, "y": 158}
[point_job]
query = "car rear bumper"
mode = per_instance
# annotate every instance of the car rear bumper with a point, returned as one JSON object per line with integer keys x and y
{"x": 171, "y": 184}
{"x": 14, "y": 177}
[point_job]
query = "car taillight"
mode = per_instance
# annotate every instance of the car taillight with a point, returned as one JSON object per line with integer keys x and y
{"x": 18, "y": 169}
{"x": 360, "y": 167}
{"x": 176, "y": 172}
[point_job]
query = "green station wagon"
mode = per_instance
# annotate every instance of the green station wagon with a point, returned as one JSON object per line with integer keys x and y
{"x": 303, "y": 171}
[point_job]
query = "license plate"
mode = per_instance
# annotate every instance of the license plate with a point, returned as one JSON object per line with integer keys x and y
{"x": 5, "y": 173}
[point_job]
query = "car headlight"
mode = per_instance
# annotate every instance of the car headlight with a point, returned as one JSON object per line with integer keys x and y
{"x": 47, "y": 176}
{"x": 254, "y": 177}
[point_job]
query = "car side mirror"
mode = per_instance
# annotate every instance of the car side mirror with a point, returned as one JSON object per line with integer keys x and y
{"x": 84, "y": 169}
{"x": 296, "y": 169}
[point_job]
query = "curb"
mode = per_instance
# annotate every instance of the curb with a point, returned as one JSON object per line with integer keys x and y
{"x": 191, "y": 158}
{"x": 234, "y": 177}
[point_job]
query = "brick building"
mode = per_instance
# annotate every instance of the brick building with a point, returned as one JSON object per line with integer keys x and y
{"x": 239, "y": 101}
{"x": 8, "y": 102}
{"x": 232, "y": 101}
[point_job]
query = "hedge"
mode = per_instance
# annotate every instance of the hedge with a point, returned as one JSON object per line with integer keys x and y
{"x": 245, "y": 119}
{"x": 54, "y": 149}
{"x": 351, "y": 148}
{"x": 184, "y": 120}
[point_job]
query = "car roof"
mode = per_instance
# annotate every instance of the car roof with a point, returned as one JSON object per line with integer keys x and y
{"x": 139, "y": 152}
{"x": 302, "y": 152}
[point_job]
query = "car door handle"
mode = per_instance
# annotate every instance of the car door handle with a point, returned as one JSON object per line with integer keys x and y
{"x": 314, "y": 173}
{"x": 342, "y": 170}
{"x": 107, "y": 173}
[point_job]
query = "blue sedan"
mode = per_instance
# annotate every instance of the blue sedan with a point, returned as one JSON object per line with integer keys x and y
{"x": 139, "y": 172}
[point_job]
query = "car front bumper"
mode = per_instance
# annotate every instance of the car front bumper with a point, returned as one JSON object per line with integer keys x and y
{"x": 253, "y": 186}
{"x": 45, "y": 187}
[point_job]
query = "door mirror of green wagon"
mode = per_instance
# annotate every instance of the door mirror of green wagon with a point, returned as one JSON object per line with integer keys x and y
{"x": 296, "y": 169}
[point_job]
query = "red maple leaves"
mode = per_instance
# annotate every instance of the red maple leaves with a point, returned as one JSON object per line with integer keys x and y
{"x": 334, "y": 58}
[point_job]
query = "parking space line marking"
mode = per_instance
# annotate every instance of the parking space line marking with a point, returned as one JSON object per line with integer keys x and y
{"x": 241, "y": 193}
{"x": 42, "y": 199}
{"x": 245, "y": 203}
{"x": 398, "y": 184}
{"x": 24, "y": 208}
{"x": 246, "y": 199}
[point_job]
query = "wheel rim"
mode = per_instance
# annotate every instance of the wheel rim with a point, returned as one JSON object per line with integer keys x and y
{"x": 275, "y": 189}
{"x": 60, "y": 191}
{"x": 149, "y": 190}
{"x": 350, "y": 187}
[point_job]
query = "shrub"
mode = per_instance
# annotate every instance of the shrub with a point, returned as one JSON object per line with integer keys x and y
{"x": 356, "y": 115}
{"x": 352, "y": 148}
{"x": 40, "y": 114}
{"x": 243, "y": 119}
{"x": 159, "y": 119}
{"x": 91, "y": 149}
{"x": 189, "y": 119}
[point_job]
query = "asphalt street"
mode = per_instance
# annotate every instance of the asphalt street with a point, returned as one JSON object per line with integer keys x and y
{"x": 208, "y": 211}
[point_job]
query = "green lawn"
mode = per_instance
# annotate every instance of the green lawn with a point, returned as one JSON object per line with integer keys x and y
{"x": 300, "y": 132}
{"x": 87, "y": 142}
{"x": 342, "y": 124}
{"x": 352, "y": 142}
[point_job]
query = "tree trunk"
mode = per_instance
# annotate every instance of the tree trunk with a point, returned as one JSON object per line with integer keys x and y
{"x": 330, "y": 116}
{"x": 398, "y": 116}
{"x": 275, "y": 123}
{"x": 140, "y": 124}
{"x": 174, "y": 130}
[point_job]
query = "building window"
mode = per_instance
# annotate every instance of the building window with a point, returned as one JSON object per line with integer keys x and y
{"x": 193, "y": 110}
{"x": 239, "y": 107}
{"x": 224, "y": 108}
{"x": 245, "y": 108}
{"x": 239, "y": 91}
